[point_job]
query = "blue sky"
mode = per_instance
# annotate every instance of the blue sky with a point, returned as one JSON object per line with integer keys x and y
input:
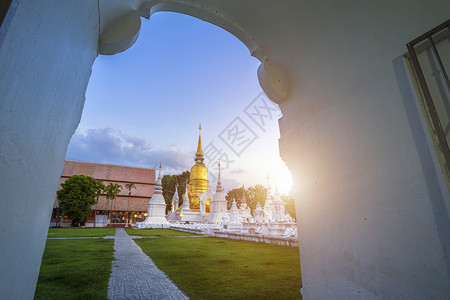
{"x": 143, "y": 106}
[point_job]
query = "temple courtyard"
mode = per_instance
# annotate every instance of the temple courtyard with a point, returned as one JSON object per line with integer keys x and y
{"x": 108, "y": 263}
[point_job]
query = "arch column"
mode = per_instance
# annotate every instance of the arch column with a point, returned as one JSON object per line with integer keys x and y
{"x": 45, "y": 64}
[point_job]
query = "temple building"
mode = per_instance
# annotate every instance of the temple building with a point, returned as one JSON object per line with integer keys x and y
{"x": 134, "y": 205}
{"x": 219, "y": 212}
{"x": 198, "y": 181}
{"x": 269, "y": 224}
{"x": 197, "y": 198}
{"x": 201, "y": 206}
{"x": 244, "y": 210}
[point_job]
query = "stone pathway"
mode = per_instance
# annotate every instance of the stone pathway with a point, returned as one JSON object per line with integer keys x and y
{"x": 135, "y": 276}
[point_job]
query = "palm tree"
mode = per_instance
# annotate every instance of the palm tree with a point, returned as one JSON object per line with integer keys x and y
{"x": 100, "y": 189}
{"x": 112, "y": 189}
{"x": 129, "y": 186}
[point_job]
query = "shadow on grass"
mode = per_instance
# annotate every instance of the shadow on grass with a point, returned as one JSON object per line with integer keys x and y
{"x": 157, "y": 232}
{"x": 80, "y": 232}
{"x": 75, "y": 269}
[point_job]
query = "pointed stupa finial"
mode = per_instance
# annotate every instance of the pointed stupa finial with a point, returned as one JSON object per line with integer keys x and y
{"x": 233, "y": 205}
{"x": 219, "y": 182}
{"x": 199, "y": 146}
{"x": 243, "y": 195}
{"x": 186, "y": 204}
{"x": 175, "y": 195}
{"x": 159, "y": 175}
{"x": 158, "y": 184}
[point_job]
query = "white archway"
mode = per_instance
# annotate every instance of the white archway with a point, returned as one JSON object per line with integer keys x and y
{"x": 120, "y": 33}
{"x": 370, "y": 217}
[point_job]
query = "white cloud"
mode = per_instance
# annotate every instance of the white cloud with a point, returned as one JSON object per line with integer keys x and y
{"x": 110, "y": 146}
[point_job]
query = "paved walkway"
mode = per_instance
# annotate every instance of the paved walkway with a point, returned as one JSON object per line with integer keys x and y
{"x": 135, "y": 276}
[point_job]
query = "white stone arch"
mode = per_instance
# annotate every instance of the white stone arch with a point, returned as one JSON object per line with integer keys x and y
{"x": 372, "y": 205}
{"x": 119, "y": 31}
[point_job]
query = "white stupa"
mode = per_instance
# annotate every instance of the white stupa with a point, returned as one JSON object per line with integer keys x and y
{"x": 203, "y": 198}
{"x": 244, "y": 210}
{"x": 175, "y": 199}
{"x": 258, "y": 213}
{"x": 185, "y": 206}
{"x": 190, "y": 215}
{"x": 174, "y": 214}
{"x": 156, "y": 212}
{"x": 267, "y": 206}
{"x": 234, "y": 214}
{"x": 218, "y": 211}
{"x": 278, "y": 208}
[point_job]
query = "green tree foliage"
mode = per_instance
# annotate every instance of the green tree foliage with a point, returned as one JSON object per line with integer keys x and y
{"x": 76, "y": 196}
{"x": 100, "y": 188}
{"x": 290, "y": 205}
{"x": 234, "y": 194}
{"x": 111, "y": 190}
{"x": 129, "y": 186}
{"x": 255, "y": 194}
{"x": 168, "y": 184}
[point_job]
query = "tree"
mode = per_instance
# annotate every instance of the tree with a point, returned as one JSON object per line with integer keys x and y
{"x": 168, "y": 184}
{"x": 129, "y": 186}
{"x": 112, "y": 189}
{"x": 100, "y": 187}
{"x": 253, "y": 195}
{"x": 234, "y": 194}
{"x": 290, "y": 205}
{"x": 76, "y": 196}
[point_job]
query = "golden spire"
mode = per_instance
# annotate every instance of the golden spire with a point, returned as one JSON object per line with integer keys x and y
{"x": 199, "y": 154}
{"x": 199, "y": 147}
{"x": 198, "y": 178}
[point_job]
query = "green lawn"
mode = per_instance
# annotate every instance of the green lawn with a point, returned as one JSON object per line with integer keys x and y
{"x": 75, "y": 269}
{"x": 156, "y": 232}
{"x": 80, "y": 232}
{"x": 213, "y": 268}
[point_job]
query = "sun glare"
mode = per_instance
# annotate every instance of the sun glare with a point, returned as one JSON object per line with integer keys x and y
{"x": 283, "y": 182}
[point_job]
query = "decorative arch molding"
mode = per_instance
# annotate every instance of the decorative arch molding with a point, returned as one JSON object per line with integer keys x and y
{"x": 209, "y": 15}
{"x": 121, "y": 33}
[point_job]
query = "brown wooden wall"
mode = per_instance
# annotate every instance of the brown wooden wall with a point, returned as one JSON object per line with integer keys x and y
{"x": 144, "y": 180}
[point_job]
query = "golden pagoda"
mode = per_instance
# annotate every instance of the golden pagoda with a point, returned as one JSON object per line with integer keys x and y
{"x": 198, "y": 180}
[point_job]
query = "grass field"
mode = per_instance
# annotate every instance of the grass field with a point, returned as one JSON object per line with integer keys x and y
{"x": 204, "y": 268}
{"x": 213, "y": 268}
{"x": 75, "y": 269}
{"x": 157, "y": 232}
{"x": 80, "y": 232}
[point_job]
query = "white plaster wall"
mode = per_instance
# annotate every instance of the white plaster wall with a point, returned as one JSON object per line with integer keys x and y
{"x": 371, "y": 202}
{"x": 372, "y": 207}
{"x": 45, "y": 64}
